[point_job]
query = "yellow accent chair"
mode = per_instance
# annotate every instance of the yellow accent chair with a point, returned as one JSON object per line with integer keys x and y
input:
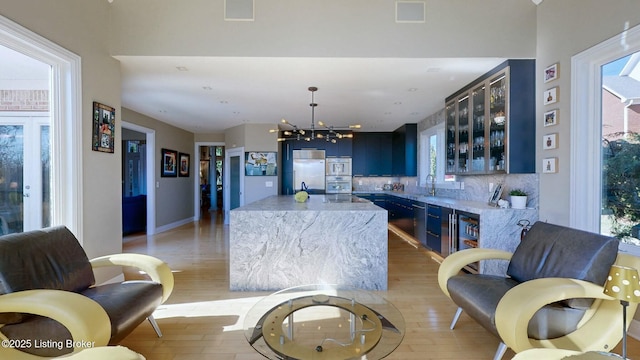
{"x": 551, "y": 295}
{"x": 51, "y": 307}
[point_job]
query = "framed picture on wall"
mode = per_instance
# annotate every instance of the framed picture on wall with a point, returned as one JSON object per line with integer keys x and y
{"x": 185, "y": 163}
{"x": 550, "y": 141}
{"x": 550, "y": 165}
{"x": 551, "y": 96}
{"x": 104, "y": 124}
{"x": 551, "y": 73}
{"x": 551, "y": 117}
{"x": 260, "y": 163}
{"x": 168, "y": 163}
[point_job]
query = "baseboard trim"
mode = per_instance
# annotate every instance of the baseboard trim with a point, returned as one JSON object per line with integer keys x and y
{"x": 174, "y": 225}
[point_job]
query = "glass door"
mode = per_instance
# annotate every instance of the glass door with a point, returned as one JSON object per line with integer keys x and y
{"x": 25, "y": 189}
{"x": 478, "y": 132}
{"x": 463, "y": 135}
{"x": 450, "y": 114}
{"x": 498, "y": 115}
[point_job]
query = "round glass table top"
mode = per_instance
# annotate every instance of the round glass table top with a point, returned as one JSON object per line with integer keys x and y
{"x": 324, "y": 322}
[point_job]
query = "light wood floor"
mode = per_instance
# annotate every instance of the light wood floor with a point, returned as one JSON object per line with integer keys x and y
{"x": 203, "y": 319}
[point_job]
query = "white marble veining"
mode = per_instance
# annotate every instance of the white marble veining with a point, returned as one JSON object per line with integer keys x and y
{"x": 276, "y": 243}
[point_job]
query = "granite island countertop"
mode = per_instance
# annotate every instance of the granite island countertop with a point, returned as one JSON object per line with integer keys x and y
{"x": 316, "y": 202}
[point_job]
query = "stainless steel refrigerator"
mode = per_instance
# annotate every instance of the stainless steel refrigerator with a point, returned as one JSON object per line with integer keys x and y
{"x": 309, "y": 168}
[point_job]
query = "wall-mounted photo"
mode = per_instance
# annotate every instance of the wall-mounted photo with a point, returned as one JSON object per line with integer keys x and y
{"x": 104, "y": 124}
{"x": 551, "y": 96}
{"x": 550, "y": 141}
{"x": 169, "y": 163}
{"x": 550, "y": 165}
{"x": 551, "y": 117}
{"x": 551, "y": 73}
{"x": 260, "y": 163}
{"x": 185, "y": 163}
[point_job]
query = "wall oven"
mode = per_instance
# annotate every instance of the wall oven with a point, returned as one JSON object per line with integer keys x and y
{"x": 338, "y": 175}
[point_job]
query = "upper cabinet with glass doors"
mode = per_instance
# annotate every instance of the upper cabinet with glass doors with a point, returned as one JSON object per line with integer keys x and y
{"x": 490, "y": 123}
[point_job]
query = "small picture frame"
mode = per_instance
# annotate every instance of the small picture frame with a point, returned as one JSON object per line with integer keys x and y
{"x": 185, "y": 164}
{"x": 104, "y": 124}
{"x": 551, "y": 73}
{"x": 550, "y": 165}
{"x": 551, "y": 117}
{"x": 550, "y": 141}
{"x": 168, "y": 163}
{"x": 551, "y": 96}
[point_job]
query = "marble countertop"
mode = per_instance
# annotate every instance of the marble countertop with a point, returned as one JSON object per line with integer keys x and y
{"x": 316, "y": 202}
{"x": 476, "y": 207}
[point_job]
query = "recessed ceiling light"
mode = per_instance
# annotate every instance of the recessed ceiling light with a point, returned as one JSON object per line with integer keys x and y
{"x": 224, "y": 102}
{"x": 413, "y": 89}
{"x": 208, "y": 88}
{"x": 397, "y": 103}
{"x": 182, "y": 68}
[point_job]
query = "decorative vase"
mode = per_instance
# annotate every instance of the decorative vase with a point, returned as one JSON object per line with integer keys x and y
{"x": 518, "y": 202}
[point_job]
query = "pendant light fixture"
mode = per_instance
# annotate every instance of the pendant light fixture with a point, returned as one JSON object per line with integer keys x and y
{"x": 329, "y": 133}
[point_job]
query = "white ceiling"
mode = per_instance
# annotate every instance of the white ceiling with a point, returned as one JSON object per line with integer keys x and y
{"x": 211, "y": 94}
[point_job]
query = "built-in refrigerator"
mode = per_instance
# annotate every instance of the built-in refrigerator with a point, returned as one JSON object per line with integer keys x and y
{"x": 309, "y": 171}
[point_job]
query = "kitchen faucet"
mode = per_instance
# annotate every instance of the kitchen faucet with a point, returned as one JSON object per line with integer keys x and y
{"x": 432, "y": 180}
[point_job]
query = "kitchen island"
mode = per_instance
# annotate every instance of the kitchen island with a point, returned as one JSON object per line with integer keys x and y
{"x": 276, "y": 243}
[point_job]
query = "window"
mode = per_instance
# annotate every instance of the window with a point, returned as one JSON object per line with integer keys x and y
{"x": 432, "y": 154}
{"x": 587, "y": 198}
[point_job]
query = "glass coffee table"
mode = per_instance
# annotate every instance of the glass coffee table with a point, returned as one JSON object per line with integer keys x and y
{"x": 324, "y": 322}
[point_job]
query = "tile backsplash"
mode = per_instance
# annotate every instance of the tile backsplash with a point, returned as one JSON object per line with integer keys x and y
{"x": 475, "y": 188}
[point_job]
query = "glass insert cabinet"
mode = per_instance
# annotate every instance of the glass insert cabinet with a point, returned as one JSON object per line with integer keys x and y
{"x": 490, "y": 123}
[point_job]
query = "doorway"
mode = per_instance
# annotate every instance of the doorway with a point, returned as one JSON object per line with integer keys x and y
{"x": 141, "y": 179}
{"x": 209, "y": 183}
{"x": 233, "y": 183}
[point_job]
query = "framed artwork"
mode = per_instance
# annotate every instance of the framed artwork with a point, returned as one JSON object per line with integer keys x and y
{"x": 104, "y": 124}
{"x": 551, "y": 117}
{"x": 550, "y": 165}
{"x": 551, "y": 73}
{"x": 169, "y": 163}
{"x": 185, "y": 163}
{"x": 551, "y": 96}
{"x": 550, "y": 141}
{"x": 260, "y": 163}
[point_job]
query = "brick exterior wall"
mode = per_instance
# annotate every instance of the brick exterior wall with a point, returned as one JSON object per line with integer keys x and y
{"x": 24, "y": 100}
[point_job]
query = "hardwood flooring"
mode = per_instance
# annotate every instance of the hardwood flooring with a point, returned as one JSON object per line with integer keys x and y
{"x": 204, "y": 320}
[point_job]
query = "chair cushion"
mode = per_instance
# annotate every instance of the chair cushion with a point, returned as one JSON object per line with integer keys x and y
{"x": 556, "y": 251}
{"x": 479, "y": 296}
{"x": 127, "y": 304}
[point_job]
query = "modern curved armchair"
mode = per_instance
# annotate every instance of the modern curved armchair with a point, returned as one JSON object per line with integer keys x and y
{"x": 50, "y": 305}
{"x": 546, "y": 299}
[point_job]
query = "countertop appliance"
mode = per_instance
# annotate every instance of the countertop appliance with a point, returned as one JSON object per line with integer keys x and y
{"x": 309, "y": 168}
{"x": 338, "y": 179}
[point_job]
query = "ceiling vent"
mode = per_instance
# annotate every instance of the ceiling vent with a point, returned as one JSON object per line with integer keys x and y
{"x": 239, "y": 10}
{"x": 410, "y": 11}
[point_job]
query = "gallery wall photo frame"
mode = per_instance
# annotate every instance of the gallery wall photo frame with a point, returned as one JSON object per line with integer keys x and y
{"x": 260, "y": 163}
{"x": 551, "y": 96}
{"x": 168, "y": 163}
{"x": 104, "y": 125}
{"x": 185, "y": 164}
{"x": 550, "y": 141}
{"x": 550, "y": 165}
{"x": 551, "y": 73}
{"x": 551, "y": 117}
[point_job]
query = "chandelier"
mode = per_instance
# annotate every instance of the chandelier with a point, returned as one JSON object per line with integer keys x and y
{"x": 324, "y": 131}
